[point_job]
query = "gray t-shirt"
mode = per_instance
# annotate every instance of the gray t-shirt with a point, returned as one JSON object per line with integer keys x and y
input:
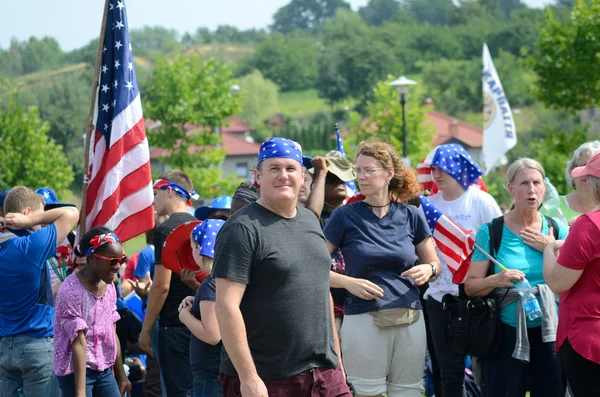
{"x": 285, "y": 264}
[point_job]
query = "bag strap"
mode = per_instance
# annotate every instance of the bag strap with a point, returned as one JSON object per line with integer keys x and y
{"x": 552, "y": 223}
{"x": 495, "y": 229}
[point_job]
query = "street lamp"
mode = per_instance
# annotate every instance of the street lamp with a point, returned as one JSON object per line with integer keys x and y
{"x": 402, "y": 85}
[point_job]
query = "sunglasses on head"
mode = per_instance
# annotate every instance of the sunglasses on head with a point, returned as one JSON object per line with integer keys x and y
{"x": 112, "y": 262}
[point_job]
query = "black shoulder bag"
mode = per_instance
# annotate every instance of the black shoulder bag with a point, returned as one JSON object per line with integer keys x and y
{"x": 473, "y": 324}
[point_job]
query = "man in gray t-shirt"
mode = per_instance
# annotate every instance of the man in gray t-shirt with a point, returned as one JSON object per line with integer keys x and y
{"x": 273, "y": 304}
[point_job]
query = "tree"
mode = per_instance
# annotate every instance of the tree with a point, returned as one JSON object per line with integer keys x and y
{"x": 350, "y": 68}
{"x": 290, "y": 62}
{"x": 376, "y": 12}
{"x": 29, "y": 157}
{"x": 434, "y": 12}
{"x": 154, "y": 39}
{"x": 260, "y": 98}
{"x": 185, "y": 92}
{"x": 305, "y": 14}
{"x": 566, "y": 58}
{"x": 384, "y": 121}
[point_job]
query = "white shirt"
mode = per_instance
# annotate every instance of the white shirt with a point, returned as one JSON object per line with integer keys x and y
{"x": 471, "y": 210}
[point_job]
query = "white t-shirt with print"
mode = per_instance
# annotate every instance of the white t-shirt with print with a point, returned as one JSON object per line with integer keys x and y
{"x": 471, "y": 210}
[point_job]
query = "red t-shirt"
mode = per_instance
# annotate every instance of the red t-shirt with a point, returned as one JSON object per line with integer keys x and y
{"x": 579, "y": 310}
{"x": 131, "y": 265}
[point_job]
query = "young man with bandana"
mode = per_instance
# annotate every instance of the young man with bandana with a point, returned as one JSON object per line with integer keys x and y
{"x": 272, "y": 281}
{"x": 454, "y": 175}
{"x": 26, "y": 300}
{"x": 171, "y": 198}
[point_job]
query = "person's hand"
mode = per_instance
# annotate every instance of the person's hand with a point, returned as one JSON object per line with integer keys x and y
{"x": 320, "y": 165}
{"x": 364, "y": 289}
{"x": 189, "y": 278}
{"x": 253, "y": 387}
{"x": 537, "y": 240}
{"x": 186, "y": 303}
{"x": 420, "y": 274}
{"x": 142, "y": 287}
{"x": 555, "y": 246}
{"x": 124, "y": 387}
{"x": 145, "y": 342}
{"x": 508, "y": 278}
{"x": 185, "y": 315}
{"x": 17, "y": 221}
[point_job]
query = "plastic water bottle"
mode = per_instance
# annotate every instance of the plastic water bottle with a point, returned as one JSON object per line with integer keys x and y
{"x": 530, "y": 302}
{"x": 551, "y": 206}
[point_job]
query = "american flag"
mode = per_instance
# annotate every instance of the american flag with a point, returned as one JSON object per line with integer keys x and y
{"x": 350, "y": 186}
{"x": 120, "y": 193}
{"x": 454, "y": 242}
{"x": 454, "y": 160}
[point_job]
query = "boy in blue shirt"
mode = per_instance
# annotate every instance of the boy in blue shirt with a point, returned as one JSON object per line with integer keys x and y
{"x": 26, "y": 300}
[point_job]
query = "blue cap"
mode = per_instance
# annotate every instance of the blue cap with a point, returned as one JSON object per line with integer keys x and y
{"x": 220, "y": 203}
{"x": 51, "y": 199}
{"x": 307, "y": 161}
{"x": 205, "y": 234}
{"x": 280, "y": 148}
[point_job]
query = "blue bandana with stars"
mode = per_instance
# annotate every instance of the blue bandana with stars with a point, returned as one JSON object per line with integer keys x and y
{"x": 280, "y": 148}
{"x": 205, "y": 234}
{"x": 454, "y": 160}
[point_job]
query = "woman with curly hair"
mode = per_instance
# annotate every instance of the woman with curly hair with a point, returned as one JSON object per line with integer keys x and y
{"x": 389, "y": 252}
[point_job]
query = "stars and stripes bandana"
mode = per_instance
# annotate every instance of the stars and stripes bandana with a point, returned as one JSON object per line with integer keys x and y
{"x": 163, "y": 184}
{"x": 280, "y": 148}
{"x": 102, "y": 239}
{"x": 205, "y": 234}
{"x": 452, "y": 159}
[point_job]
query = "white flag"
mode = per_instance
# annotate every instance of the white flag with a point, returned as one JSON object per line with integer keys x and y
{"x": 499, "y": 134}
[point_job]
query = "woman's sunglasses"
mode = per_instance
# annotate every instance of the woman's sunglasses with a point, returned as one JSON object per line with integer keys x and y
{"x": 112, "y": 262}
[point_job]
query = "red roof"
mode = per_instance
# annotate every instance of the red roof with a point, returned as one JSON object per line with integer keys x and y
{"x": 233, "y": 139}
{"x": 446, "y": 128}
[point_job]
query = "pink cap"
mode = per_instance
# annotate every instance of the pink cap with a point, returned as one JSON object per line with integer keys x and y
{"x": 591, "y": 168}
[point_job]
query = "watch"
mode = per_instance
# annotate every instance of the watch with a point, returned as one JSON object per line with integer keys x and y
{"x": 433, "y": 271}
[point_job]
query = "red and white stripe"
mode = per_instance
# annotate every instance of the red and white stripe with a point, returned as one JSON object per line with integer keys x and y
{"x": 424, "y": 172}
{"x": 120, "y": 193}
{"x": 456, "y": 246}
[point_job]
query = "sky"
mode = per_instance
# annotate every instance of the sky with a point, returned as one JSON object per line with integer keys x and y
{"x": 75, "y": 22}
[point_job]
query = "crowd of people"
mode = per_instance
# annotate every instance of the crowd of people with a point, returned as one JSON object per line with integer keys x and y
{"x": 296, "y": 286}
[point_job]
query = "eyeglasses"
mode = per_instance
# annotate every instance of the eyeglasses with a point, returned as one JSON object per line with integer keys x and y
{"x": 365, "y": 171}
{"x": 112, "y": 262}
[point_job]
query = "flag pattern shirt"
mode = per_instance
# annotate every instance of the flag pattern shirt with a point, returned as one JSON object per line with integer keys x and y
{"x": 119, "y": 195}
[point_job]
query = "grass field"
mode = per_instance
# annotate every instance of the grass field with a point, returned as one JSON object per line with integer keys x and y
{"x": 307, "y": 102}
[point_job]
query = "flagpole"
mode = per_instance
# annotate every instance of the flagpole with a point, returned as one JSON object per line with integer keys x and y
{"x": 89, "y": 121}
{"x": 494, "y": 261}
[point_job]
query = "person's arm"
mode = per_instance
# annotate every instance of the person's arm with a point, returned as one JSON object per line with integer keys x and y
{"x": 64, "y": 219}
{"x": 362, "y": 288}
{"x": 477, "y": 284}
{"x": 423, "y": 272}
{"x": 156, "y": 301}
{"x": 123, "y": 381}
{"x": 316, "y": 198}
{"x": 558, "y": 277}
{"x": 233, "y": 332}
{"x": 206, "y": 330}
{"x": 79, "y": 349}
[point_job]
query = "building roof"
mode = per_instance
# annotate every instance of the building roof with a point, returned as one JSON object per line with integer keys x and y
{"x": 446, "y": 128}
{"x": 233, "y": 135}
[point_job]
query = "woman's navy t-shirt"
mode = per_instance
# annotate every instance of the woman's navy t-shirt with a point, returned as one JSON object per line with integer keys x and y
{"x": 379, "y": 250}
{"x": 205, "y": 359}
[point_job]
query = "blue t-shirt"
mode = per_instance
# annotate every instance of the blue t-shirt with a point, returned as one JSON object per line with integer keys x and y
{"x": 379, "y": 250}
{"x": 26, "y": 300}
{"x": 145, "y": 263}
{"x": 514, "y": 254}
{"x": 205, "y": 359}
